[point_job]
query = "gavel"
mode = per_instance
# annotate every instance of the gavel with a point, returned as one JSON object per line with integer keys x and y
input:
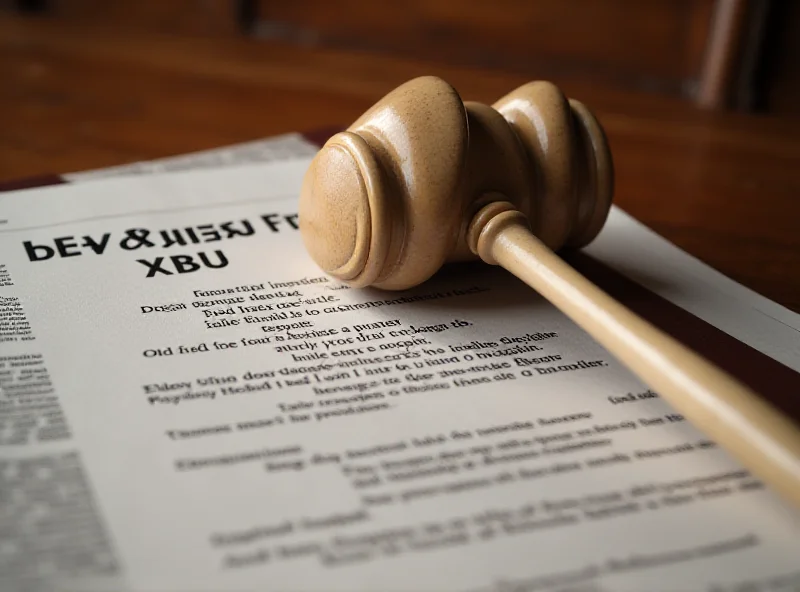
{"x": 424, "y": 178}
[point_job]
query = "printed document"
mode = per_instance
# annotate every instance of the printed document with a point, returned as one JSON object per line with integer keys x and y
{"x": 188, "y": 403}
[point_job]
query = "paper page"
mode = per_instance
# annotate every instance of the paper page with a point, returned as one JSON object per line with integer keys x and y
{"x": 682, "y": 279}
{"x": 189, "y": 404}
{"x": 656, "y": 264}
{"x": 277, "y": 148}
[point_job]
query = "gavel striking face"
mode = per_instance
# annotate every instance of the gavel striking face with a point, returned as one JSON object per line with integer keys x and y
{"x": 388, "y": 201}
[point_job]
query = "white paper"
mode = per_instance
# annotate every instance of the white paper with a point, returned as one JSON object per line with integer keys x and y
{"x": 668, "y": 271}
{"x": 275, "y": 148}
{"x": 460, "y": 436}
{"x": 659, "y": 265}
{"x": 656, "y": 263}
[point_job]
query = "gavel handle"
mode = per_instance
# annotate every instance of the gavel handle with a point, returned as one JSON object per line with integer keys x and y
{"x": 760, "y": 437}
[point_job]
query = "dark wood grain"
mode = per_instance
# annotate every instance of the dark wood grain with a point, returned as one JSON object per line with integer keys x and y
{"x": 590, "y": 39}
{"x": 725, "y": 187}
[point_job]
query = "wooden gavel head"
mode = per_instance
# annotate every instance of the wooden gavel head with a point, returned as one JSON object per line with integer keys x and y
{"x": 388, "y": 201}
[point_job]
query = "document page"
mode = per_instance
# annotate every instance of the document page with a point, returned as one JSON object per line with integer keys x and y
{"x": 270, "y": 149}
{"x": 188, "y": 403}
{"x": 657, "y": 264}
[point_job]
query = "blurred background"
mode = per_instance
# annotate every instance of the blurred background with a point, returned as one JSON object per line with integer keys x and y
{"x": 717, "y": 54}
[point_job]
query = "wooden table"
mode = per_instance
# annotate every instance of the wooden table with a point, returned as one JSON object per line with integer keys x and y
{"x": 725, "y": 187}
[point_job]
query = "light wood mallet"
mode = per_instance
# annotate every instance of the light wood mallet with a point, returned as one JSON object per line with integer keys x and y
{"x": 423, "y": 178}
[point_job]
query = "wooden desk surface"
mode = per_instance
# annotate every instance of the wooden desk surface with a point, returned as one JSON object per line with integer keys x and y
{"x": 725, "y": 187}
